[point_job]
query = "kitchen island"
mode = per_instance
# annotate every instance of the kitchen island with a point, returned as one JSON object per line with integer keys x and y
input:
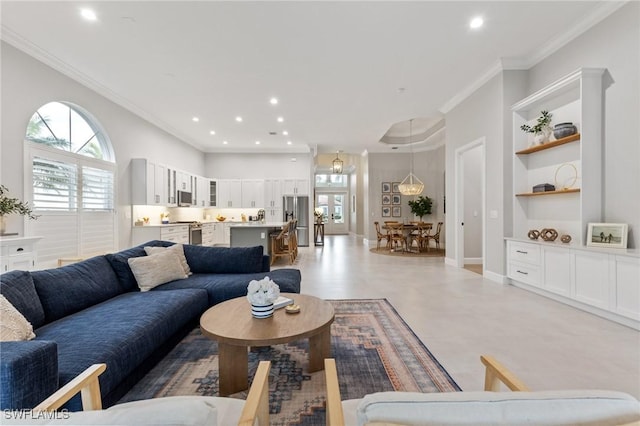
{"x": 249, "y": 234}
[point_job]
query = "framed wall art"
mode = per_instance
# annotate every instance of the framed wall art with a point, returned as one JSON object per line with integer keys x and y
{"x": 397, "y": 211}
{"x": 395, "y": 199}
{"x": 386, "y": 199}
{"x": 386, "y": 211}
{"x": 612, "y": 235}
{"x": 386, "y": 187}
{"x": 396, "y": 187}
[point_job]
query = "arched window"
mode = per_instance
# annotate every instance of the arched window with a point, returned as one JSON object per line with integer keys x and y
{"x": 72, "y": 183}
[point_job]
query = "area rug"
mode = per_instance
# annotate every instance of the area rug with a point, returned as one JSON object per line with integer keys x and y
{"x": 375, "y": 351}
{"x": 433, "y": 252}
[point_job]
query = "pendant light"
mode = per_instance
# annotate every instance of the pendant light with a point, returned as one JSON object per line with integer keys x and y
{"x": 337, "y": 164}
{"x": 411, "y": 185}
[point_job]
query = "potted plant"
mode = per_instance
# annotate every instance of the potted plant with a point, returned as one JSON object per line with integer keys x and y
{"x": 542, "y": 129}
{"x": 421, "y": 206}
{"x": 11, "y": 206}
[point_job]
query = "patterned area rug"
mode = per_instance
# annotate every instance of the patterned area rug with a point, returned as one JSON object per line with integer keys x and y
{"x": 375, "y": 351}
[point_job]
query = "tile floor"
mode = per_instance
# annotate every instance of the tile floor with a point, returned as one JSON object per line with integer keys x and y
{"x": 460, "y": 315}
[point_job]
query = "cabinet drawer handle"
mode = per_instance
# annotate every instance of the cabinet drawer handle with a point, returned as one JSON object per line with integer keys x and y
{"x": 19, "y": 249}
{"x": 523, "y": 252}
{"x": 523, "y": 273}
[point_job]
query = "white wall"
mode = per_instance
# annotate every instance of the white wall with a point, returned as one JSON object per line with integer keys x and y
{"x": 27, "y": 84}
{"x": 473, "y": 214}
{"x": 258, "y": 166}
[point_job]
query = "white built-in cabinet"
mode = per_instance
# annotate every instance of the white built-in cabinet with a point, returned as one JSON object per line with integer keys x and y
{"x": 602, "y": 281}
{"x": 150, "y": 183}
{"x": 176, "y": 233}
{"x": 273, "y": 199}
{"x": 295, "y": 186}
{"x": 18, "y": 253}
{"x": 253, "y": 193}
{"x": 229, "y": 193}
{"x": 201, "y": 194}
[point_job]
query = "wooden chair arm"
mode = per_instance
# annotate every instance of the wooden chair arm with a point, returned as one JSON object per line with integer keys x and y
{"x": 334, "y": 414}
{"x": 86, "y": 383}
{"x": 257, "y": 403}
{"x": 495, "y": 373}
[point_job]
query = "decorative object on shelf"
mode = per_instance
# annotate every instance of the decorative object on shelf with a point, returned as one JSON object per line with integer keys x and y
{"x": 565, "y": 238}
{"x": 319, "y": 214}
{"x": 421, "y": 206}
{"x": 12, "y": 206}
{"x": 261, "y": 294}
{"x": 164, "y": 217}
{"x": 145, "y": 220}
{"x": 549, "y": 234}
{"x": 411, "y": 185}
{"x": 541, "y": 130}
{"x": 611, "y": 235}
{"x": 544, "y": 187}
{"x": 533, "y": 234}
{"x": 562, "y": 130}
{"x": 337, "y": 164}
{"x": 220, "y": 218}
{"x": 566, "y": 176}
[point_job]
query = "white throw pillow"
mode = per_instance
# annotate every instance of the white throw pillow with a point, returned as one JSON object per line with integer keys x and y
{"x": 151, "y": 271}
{"x": 13, "y": 325}
{"x": 177, "y": 249}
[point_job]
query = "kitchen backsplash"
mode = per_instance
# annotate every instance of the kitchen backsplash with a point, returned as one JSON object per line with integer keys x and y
{"x": 183, "y": 214}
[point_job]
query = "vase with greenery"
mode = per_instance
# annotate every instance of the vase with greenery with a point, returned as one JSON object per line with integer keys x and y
{"x": 10, "y": 205}
{"x": 421, "y": 206}
{"x": 542, "y": 129}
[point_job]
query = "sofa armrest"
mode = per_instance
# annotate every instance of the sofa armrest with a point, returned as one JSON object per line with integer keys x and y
{"x": 266, "y": 263}
{"x": 28, "y": 373}
{"x": 86, "y": 383}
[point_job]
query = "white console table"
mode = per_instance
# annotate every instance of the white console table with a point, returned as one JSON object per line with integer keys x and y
{"x": 18, "y": 253}
{"x": 602, "y": 281}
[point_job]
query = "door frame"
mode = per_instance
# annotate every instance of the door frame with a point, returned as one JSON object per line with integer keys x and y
{"x": 459, "y": 199}
{"x": 345, "y": 208}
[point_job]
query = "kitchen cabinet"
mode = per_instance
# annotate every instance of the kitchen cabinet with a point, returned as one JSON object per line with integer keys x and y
{"x": 295, "y": 187}
{"x": 18, "y": 253}
{"x": 149, "y": 183}
{"x": 226, "y": 233}
{"x": 273, "y": 215}
{"x": 208, "y": 234}
{"x": 174, "y": 233}
{"x": 184, "y": 181}
{"x": 213, "y": 193}
{"x": 273, "y": 194}
{"x": 200, "y": 191}
{"x": 229, "y": 193}
{"x": 252, "y": 193}
{"x": 172, "y": 201}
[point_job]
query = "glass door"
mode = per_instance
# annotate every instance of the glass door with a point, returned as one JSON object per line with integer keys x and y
{"x": 335, "y": 212}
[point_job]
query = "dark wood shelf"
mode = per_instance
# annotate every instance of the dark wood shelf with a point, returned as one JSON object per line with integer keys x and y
{"x": 535, "y": 194}
{"x": 548, "y": 145}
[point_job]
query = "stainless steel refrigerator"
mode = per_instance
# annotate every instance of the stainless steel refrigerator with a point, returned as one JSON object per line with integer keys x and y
{"x": 297, "y": 207}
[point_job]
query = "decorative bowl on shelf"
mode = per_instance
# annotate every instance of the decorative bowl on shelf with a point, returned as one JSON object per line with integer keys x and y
{"x": 221, "y": 218}
{"x": 562, "y": 130}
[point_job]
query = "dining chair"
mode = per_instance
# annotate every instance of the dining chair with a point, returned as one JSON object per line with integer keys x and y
{"x": 380, "y": 236}
{"x": 396, "y": 236}
{"x": 435, "y": 237}
{"x": 421, "y": 235}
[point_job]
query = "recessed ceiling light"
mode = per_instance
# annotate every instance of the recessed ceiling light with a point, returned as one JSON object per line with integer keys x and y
{"x": 288, "y": 142}
{"x": 284, "y": 132}
{"x": 239, "y": 119}
{"x": 280, "y": 119}
{"x": 212, "y": 132}
{"x": 273, "y": 101}
{"x": 257, "y": 142}
{"x": 195, "y": 119}
{"x": 224, "y": 142}
{"x": 476, "y": 22}
{"x": 88, "y": 14}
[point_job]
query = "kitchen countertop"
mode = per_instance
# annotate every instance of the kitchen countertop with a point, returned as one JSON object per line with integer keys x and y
{"x": 258, "y": 224}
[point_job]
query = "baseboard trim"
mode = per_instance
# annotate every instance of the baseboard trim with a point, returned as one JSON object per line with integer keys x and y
{"x": 492, "y": 276}
{"x": 450, "y": 262}
{"x": 473, "y": 261}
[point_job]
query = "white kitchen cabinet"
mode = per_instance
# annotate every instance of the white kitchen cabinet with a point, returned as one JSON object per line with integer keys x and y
{"x": 184, "y": 181}
{"x": 18, "y": 253}
{"x": 200, "y": 191}
{"x": 273, "y": 215}
{"x": 229, "y": 193}
{"x": 149, "y": 183}
{"x": 591, "y": 277}
{"x": 557, "y": 270}
{"x": 226, "y": 234}
{"x": 272, "y": 194}
{"x": 626, "y": 300}
{"x": 172, "y": 201}
{"x": 175, "y": 233}
{"x": 252, "y": 193}
{"x": 208, "y": 234}
{"x": 295, "y": 187}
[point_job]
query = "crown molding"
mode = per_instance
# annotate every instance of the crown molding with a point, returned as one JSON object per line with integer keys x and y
{"x": 596, "y": 16}
{"x": 62, "y": 67}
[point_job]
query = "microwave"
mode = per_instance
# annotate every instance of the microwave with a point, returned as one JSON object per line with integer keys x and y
{"x": 184, "y": 199}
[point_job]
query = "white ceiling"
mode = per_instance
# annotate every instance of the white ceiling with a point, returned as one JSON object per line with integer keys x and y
{"x": 344, "y": 72}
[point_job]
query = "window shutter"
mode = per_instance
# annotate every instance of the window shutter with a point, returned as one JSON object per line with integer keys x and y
{"x": 97, "y": 189}
{"x": 54, "y": 185}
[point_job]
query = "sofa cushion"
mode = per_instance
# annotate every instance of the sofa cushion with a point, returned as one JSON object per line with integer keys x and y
{"x": 13, "y": 325}
{"x": 160, "y": 268}
{"x": 567, "y": 407}
{"x": 69, "y": 289}
{"x": 18, "y": 288}
{"x": 178, "y": 249}
{"x": 119, "y": 263}
{"x": 224, "y": 260}
{"x": 121, "y": 332}
{"x": 221, "y": 287}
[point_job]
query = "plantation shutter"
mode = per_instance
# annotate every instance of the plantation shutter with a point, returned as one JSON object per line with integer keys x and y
{"x": 97, "y": 189}
{"x": 55, "y": 185}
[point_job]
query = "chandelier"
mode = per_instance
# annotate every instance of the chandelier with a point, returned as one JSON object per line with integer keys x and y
{"x": 337, "y": 164}
{"x": 411, "y": 185}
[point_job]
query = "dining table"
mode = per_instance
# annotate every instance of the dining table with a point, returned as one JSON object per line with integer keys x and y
{"x": 407, "y": 229}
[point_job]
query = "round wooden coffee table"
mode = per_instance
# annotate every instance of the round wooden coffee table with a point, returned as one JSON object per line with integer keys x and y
{"x": 231, "y": 324}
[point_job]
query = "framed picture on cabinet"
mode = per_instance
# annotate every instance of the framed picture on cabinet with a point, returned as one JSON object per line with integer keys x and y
{"x": 612, "y": 235}
{"x": 395, "y": 199}
{"x": 396, "y": 187}
{"x": 386, "y": 199}
{"x": 386, "y": 187}
{"x": 397, "y": 211}
{"x": 386, "y": 211}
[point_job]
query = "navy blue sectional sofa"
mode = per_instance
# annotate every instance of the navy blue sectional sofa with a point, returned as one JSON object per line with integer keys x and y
{"x": 92, "y": 312}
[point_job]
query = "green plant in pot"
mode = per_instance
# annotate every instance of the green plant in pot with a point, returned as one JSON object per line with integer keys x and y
{"x": 542, "y": 129}
{"x": 421, "y": 206}
{"x": 10, "y": 205}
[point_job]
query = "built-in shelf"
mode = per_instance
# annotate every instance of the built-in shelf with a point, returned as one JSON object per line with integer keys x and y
{"x": 548, "y": 145}
{"x": 534, "y": 194}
